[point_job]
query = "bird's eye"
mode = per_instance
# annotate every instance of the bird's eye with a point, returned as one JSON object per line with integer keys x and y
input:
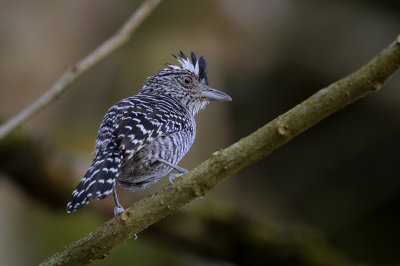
{"x": 187, "y": 80}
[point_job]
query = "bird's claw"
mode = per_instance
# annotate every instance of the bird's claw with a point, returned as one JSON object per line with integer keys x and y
{"x": 175, "y": 175}
{"x": 118, "y": 209}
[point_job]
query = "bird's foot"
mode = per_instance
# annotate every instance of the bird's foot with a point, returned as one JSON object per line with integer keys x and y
{"x": 118, "y": 209}
{"x": 175, "y": 175}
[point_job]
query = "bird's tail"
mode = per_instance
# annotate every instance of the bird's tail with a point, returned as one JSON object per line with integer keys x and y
{"x": 98, "y": 181}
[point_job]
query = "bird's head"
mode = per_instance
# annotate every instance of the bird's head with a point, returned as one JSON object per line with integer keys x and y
{"x": 187, "y": 82}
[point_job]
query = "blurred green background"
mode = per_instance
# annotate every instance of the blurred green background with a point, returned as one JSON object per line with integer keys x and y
{"x": 329, "y": 197}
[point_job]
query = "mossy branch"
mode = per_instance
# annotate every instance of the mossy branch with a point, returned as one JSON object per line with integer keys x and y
{"x": 224, "y": 163}
{"x": 81, "y": 67}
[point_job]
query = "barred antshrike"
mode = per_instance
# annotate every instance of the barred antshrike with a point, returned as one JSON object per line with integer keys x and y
{"x": 143, "y": 137}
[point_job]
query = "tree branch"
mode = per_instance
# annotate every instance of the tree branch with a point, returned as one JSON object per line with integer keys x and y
{"x": 74, "y": 72}
{"x": 226, "y": 162}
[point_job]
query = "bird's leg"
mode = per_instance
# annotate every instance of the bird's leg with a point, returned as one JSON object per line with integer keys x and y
{"x": 118, "y": 208}
{"x": 177, "y": 168}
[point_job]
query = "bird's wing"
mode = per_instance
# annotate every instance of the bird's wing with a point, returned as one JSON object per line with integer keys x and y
{"x": 143, "y": 122}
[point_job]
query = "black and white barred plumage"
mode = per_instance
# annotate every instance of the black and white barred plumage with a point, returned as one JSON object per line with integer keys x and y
{"x": 143, "y": 137}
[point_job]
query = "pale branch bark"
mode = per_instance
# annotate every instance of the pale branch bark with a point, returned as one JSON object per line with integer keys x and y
{"x": 224, "y": 163}
{"x": 72, "y": 73}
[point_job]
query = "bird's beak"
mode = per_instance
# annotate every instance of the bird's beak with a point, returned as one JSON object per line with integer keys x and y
{"x": 215, "y": 95}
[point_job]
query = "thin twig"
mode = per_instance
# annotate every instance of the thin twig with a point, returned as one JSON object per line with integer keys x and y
{"x": 72, "y": 73}
{"x": 224, "y": 163}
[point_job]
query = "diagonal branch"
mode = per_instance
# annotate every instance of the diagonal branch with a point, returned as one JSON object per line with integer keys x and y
{"x": 74, "y": 72}
{"x": 224, "y": 163}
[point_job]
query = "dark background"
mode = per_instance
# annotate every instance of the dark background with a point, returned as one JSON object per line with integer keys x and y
{"x": 337, "y": 184}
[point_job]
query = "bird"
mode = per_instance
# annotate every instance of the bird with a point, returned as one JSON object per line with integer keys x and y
{"x": 143, "y": 137}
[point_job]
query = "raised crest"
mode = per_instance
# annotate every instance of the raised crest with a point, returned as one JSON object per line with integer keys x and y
{"x": 196, "y": 65}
